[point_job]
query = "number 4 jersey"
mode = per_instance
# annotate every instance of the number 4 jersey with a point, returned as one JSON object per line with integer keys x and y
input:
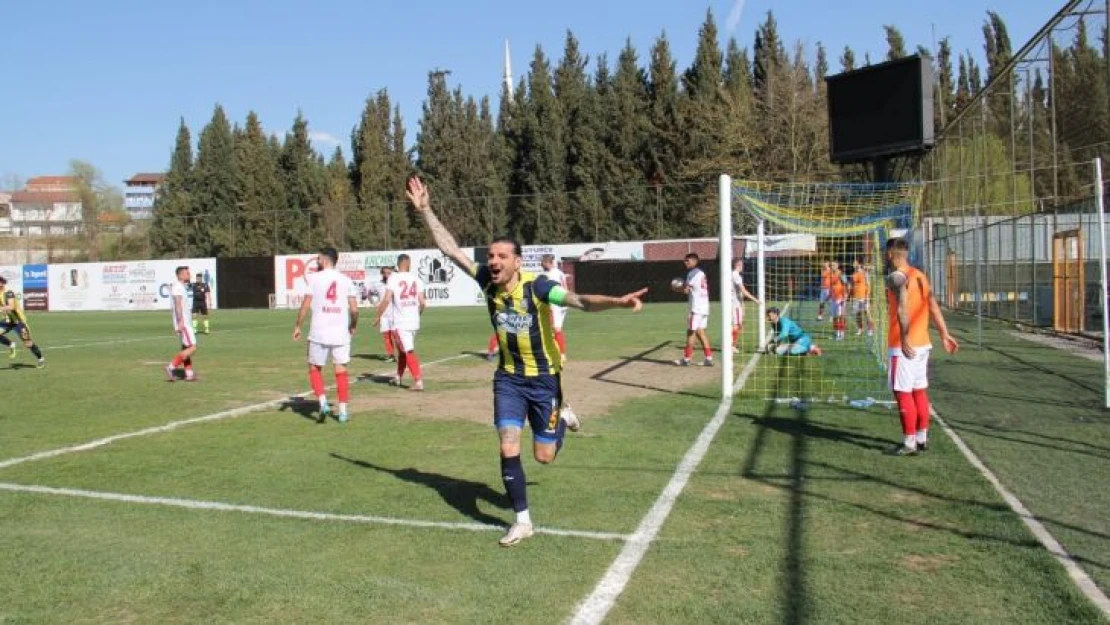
{"x": 331, "y": 312}
{"x": 405, "y": 307}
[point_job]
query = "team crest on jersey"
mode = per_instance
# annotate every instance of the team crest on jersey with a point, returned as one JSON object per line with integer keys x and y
{"x": 514, "y": 323}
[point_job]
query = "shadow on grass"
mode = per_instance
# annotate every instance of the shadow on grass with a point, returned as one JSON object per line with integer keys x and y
{"x": 21, "y": 365}
{"x": 462, "y": 495}
{"x": 1011, "y": 355}
{"x": 1011, "y": 435}
{"x": 600, "y": 376}
{"x": 306, "y": 408}
{"x": 376, "y": 357}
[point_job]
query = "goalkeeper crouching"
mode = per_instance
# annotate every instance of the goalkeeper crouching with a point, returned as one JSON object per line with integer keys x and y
{"x": 790, "y": 339}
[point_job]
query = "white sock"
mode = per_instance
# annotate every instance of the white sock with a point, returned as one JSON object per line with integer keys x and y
{"x": 910, "y": 441}
{"x": 343, "y": 407}
{"x": 922, "y": 437}
{"x": 323, "y": 399}
{"x": 524, "y": 517}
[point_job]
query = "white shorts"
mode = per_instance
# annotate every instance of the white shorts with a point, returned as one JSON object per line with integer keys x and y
{"x": 697, "y": 322}
{"x": 860, "y": 305}
{"x": 558, "y": 316}
{"x": 385, "y": 324}
{"x": 187, "y": 336}
{"x": 406, "y": 338}
{"x": 318, "y": 354}
{"x": 908, "y": 374}
{"x": 737, "y": 313}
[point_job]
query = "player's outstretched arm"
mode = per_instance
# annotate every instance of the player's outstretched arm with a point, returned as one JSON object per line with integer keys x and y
{"x": 598, "y": 303}
{"x": 445, "y": 241}
{"x": 306, "y": 303}
{"x": 950, "y": 344}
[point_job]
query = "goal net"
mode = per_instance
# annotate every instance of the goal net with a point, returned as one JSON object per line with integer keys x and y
{"x": 814, "y": 253}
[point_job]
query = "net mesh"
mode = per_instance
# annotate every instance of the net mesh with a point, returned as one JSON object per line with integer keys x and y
{"x": 824, "y": 272}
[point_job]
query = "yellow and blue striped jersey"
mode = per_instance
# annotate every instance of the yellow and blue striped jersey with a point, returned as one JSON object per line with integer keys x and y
{"x": 522, "y": 320}
{"x": 15, "y": 315}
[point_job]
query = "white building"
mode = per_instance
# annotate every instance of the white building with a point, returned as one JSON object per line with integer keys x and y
{"x": 139, "y": 193}
{"x": 48, "y": 205}
{"x": 5, "y": 213}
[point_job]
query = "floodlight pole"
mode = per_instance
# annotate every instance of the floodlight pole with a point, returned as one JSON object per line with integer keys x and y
{"x": 1102, "y": 284}
{"x": 724, "y": 254}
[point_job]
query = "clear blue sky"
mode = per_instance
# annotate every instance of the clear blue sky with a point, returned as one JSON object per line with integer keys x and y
{"x": 107, "y": 81}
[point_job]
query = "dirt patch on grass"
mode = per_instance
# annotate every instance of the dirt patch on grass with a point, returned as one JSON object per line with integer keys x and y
{"x": 591, "y": 388}
{"x": 928, "y": 564}
{"x": 1084, "y": 348}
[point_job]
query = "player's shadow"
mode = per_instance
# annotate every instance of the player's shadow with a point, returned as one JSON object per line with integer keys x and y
{"x": 374, "y": 357}
{"x": 643, "y": 357}
{"x": 21, "y": 365}
{"x": 303, "y": 407}
{"x": 462, "y": 495}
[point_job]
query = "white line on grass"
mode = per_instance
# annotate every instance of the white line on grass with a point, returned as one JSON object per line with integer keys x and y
{"x": 173, "y": 425}
{"x": 195, "y": 504}
{"x": 168, "y": 337}
{"x": 593, "y": 609}
{"x": 1076, "y": 572}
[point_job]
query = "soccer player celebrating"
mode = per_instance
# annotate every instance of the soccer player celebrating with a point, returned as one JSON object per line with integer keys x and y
{"x": 861, "y": 295}
{"x": 202, "y": 301}
{"x": 385, "y": 322}
{"x": 838, "y": 297}
{"x": 181, "y": 308}
{"x": 12, "y": 317}
{"x": 527, "y": 385}
{"x": 826, "y": 288}
{"x": 334, "y": 305}
{"x": 911, "y": 304}
{"x": 558, "y": 313}
{"x": 739, "y": 294}
{"x": 696, "y": 288}
{"x": 403, "y": 303}
{"x": 790, "y": 339}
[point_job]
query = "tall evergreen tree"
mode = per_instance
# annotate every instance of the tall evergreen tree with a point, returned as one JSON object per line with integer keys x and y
{"x": 582, "y": 132}
{"x": 303, "y": 181}
{"x": 214, "y": 192}
{"x": 370, "y": 176}
{"x": 895, "y": 43}
{"x": 338, "y": 200}
{"x": 664, "y": 146}
{"x": 173, "y": 205}
{"x": 946, "y": 87}
{"x": 847, "y": 60}
{"x": 633, "y": 211}
{"x": 261, "y": 207}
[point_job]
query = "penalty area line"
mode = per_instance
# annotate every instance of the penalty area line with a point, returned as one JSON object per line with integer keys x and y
{"x": 594, "y": 608}
{"x": 1078, "y": 576}
{"x": 161, "y": 337}
{"x": 173, "y": 425}
{"x": 218, "y": 506}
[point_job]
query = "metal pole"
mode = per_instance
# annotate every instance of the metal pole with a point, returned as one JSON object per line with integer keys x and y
{"x": 1102, "y": 283}
{"x": 724, "y": 190}
{"x": 978, "y": 278}
{"x": 761, "y": 282}
{"x": 1033, "y": 208}
{"x": 1052, "y": 101}
{"x": 1014, "y": 186}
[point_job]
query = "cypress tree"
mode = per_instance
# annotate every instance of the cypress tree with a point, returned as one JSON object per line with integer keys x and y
{"x": 173, "y": 207}
{"x": 215, "y": 188}
{"x": 259, "y": 197}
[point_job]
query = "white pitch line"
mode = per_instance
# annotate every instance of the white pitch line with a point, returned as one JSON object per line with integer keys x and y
{"x": 593, "y": 609}
{"x": 162, "y": 337}
{"x": 1086, "y": 585}
{"x": 173, "y": 425}
{"x": 195, "y": 504}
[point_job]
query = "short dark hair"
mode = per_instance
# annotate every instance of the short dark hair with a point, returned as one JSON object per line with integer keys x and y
{"x": 3, "y": 280}
{"x": 177, "y": 272}
{"x": 898, "y": 244}
{"x": 773, "y": 309}
{"x": 692, "y": 255}
{"x": 548, "y": 257}
{"x": 511, "y": 241}
{"x": 401, "y": 258}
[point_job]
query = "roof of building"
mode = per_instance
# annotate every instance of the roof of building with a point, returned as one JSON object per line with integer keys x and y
{"x": 145, "y": 178}
{"x": 51, "y": 182}
{"x": 44, "y": 197}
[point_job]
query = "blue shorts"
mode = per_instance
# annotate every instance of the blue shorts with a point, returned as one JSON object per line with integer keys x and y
{"x": 20, "y": 328}
{"x": 801, "y": 346}
{"x": 538, "y": 398}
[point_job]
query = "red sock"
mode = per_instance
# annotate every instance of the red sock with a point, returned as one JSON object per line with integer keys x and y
{"x": 343, "y": 386}
{"x": 388, "y": 340}
{"x": 402, "y": 360}
{"x": 708, "y": 351}
{"x": 316, "y": 379}
{"x": 689, "y": 353}
{"x": 561, "y": 341}
{"x": 735, "y": 335}
{"x": 188, "y": 362}
{"x": 921, "y": 400}
{"x": 492, "y": 347}
{"x": 414, "y": 365}
{"x": 177, "y": 360}
{"x": 907, "y": 410}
